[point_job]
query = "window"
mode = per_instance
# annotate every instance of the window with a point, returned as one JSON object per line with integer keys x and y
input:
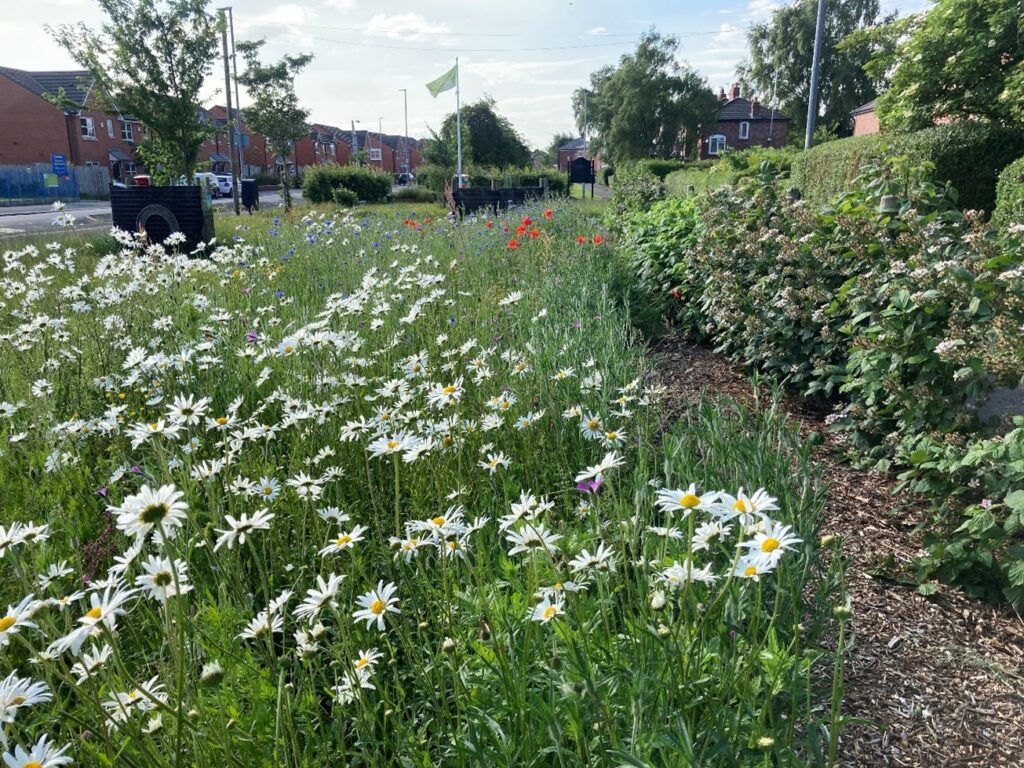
{"x": 126, "y": 133}
{"x": 88, "y": 127}
{"x": 744, "y": 130}
{"x": 91, "y": 164}
{"x": 716, "y": 144}
{"x": 110, "y": 129}
{"x": 374, "y": 153}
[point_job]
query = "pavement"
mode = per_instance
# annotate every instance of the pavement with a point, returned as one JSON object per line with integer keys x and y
{"x": 92, "y": 215}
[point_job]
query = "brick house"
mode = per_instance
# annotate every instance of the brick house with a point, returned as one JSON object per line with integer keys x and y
{"x": 32, "y": 129}
{"x": 865, "y": 119}
{"x": 743, "y": 123}
{"x": 570, "y": 151}
{"x": 216, "y": 152}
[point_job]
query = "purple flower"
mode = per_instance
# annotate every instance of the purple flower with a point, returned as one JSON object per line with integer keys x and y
{"x": 590, "y": 486}
{"x": 247, "y": 290}
{"x": 102, "y": 491}
{"x": 252, "y": 337}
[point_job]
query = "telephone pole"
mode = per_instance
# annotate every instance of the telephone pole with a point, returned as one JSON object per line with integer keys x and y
{"x": 405, "y": 137}
{"x": 231, "y": 131}
{"x": 238, "y": 99}
{"x": 812, "y": 101}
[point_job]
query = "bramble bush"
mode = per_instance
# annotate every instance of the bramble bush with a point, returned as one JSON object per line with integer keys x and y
{"x": 910, "y": 316}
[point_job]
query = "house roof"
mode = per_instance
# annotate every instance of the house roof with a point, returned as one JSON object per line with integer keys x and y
{"x": 865, "y": 108}
{"x": 736, "y": 110}
{"x": 76, "y": 83}
{"x": 574, "y": 144}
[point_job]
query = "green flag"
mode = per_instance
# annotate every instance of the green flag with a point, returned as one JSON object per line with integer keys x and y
{"x": 445, "y": 82}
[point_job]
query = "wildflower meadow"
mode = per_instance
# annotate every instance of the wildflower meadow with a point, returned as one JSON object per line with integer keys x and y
{"x": 390, "y": 491}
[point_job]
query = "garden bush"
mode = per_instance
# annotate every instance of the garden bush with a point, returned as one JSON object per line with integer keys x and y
{"x": 604, "y": 176}
{"x": 368, "y": 184}
{"x": 661, "y": 168}
{"x": 636, "y": 190}
{"x": 1010, "y": 195}
{"x": 345, "y": 196}
{"x": 968, "y": 155}
{"x": 415, "y": 194}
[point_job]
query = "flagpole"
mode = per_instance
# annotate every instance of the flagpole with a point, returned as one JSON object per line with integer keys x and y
{"x": 458, "y": 126}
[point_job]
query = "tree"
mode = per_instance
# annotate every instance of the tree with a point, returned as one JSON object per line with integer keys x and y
{"x": 781, "y": 51}
{"x": 275, "y": 112}
{"x": 649, "y": 105}
{"x": 964, "y": 58}
{"x": 150, "y": 60}
{"x": 487, "y": 139}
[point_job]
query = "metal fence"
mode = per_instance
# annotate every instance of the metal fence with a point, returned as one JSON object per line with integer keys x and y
{"x": 35, "y": 184}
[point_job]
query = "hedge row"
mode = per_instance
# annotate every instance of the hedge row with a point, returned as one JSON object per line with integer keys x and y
{"x": 969, "y": 155}
{"x": 1010, "y": 195}
{"x": 368, "y": 184}
{"x": 434, "y": 177}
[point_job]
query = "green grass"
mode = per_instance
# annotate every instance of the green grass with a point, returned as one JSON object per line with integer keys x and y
{"x": 312, "y": 335}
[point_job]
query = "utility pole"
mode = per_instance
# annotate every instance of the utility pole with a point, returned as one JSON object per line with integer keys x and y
{"x": 231, "y": 132}
{"x": 380, "y": 136}
{"x": 355, "y": 145}
{"x": 238, "y": 99}
{"x": 585, "y": 125}
{"x": 812, "y": 101}
{"x": 405, "y": 137}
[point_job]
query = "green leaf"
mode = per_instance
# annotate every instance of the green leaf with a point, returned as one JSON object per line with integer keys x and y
{"x": 1015, "y": 501}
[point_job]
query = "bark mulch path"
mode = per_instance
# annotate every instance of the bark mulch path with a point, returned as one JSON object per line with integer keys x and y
{"x": 942, "y": 677}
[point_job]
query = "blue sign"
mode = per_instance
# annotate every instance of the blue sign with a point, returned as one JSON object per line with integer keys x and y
{"x": 59, "y": 164}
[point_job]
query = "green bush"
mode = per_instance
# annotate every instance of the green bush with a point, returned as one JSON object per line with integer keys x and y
{"x": 346, "y": 197}
{"x": 434, "y": 177}
{"x": 636, "y": 190}
{"x": 968, "y": 155}
{"x": 415, "y": 194}
{"x": 604, "y": 176}
{"x": 368, "y": 184}
{"x": 1010, "y": 195}
{"x": 661, "y": 168}
{"x": 700, "y": 176}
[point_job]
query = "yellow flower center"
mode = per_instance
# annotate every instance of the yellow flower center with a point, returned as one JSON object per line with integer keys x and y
{"x": 377, "y": 607}
{"x": 769, "y": 544}
{"x": 94, "y": 613}
{"x": 505, "y": 405}
{"x": 550, "y": 612}
{"x": 33, "y": 764}
{"x": 740, "y": 506}
{"x": 450, "y": 389}
{"x": 221, "y": 421}
{"x": 438, "y": 521}
{"x": 289, "y": 349}
{"x": 392, "y": 444}
{"x": 154, "y": 426}
{"x": 360, "y": 663}
{"x": 689, "y": 500}
{"x": 750, "y": 571}
{"x": 7, "y": 622}
{"x": 593, "y": 424}
{"x": 17, "y": 701}
{"x": 343, "y": 540}
{"x": 611, "y": 435}
{"x": 267, "y": 490}
{"x": 154, "y": 513}
{"x": 448, "y": 440}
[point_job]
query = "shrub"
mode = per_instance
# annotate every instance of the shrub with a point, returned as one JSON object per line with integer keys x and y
{"x": 700, "y": 176}
{"x": 636, "y": 190}
{"x": 661, "y": 168}
{"x": 604, "y": 176}
{"x": 1010, "y": 195}
{"x": 267, "y": 179}
{"x": 415, "y": 194}
{"x": 368, "y": 184}
{"x": 968, "y": 155}
{"x": 344, "y": 196}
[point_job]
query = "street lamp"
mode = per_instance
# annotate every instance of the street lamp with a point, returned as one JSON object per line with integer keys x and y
{"x": 354, "y": 160}
{"x": 380, "y": 136}
{"x": 405, "y": 137}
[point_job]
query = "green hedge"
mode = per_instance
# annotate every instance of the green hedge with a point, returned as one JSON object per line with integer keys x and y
{"x": 662, "y": 168}
{"x": 969, "y": 155}
{"x": 433, "y": 177}
{"x": 1010, "y": 195}
{"x": 415, "y": 195}
{"x": 700, "y": 177}
{"x": 605, "y": 175}
{"x": 366, "y": 183}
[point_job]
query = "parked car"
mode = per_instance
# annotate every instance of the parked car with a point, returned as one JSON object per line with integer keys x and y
{"x": 405, "y": 179}
{"x": 142, "y": 180}
{"x": 224, "y": 181}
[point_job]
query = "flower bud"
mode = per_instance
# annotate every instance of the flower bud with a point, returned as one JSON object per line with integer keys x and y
{"x": 211, "y": 675}
{"x": 658, "y": 600}
{"x": 842, "y": 611}
{"x": 448, "y": 645}
{"x": 663, "y": 631}
{"x": 765, "y": 743}
{"x": 827, "y": 540}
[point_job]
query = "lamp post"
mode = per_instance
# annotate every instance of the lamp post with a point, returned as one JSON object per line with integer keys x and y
{"x": 380, "y": 137}
{"x": 405, "y": 136}
{"x": 354, "y": 160}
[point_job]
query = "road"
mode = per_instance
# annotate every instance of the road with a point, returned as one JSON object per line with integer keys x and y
{"x": 91, "y": 215}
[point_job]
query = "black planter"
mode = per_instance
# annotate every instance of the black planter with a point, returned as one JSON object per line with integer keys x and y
{"x": 163, "y": 210}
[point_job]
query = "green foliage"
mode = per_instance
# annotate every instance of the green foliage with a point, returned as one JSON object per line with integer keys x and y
{"x": 969, "y": 155}
{"x": 731, "y": 168}
{"x": 781, "y": 50}
{"x": 414, "y": 194}
{"x": 150, "y": 60}
{"x": 604, "y": 176}
{"x": 489, "y": 139}
{"x": 662, "y": 168}
{"x": 368, "y": 184}
{"x": 344, "y": 196}
{"x": 964, "y": 60}
{"x": 1010, "y": 195}
{"x": 636, "y": 190}
{"x": 434, "y": 177}
{"x": 649, "y": 102}
{"x": 913, "y": 316}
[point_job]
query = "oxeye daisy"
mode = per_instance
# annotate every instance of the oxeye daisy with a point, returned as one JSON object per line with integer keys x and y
{"x": 494, "y": 462}
{"x": 323, "y": 596}
{"x": 42, "y": 754}
{"x": 242, "y": 527}
{"x": 163, "y": 579}
{"x": 149, "y": 509}
{"x": 684, "y": 500}
{"x": 746, "y": 508}
{"x": 546, "y": 610}
{"x": 770, "y": 544}
{"x": 344, "y": 540}
{"x": 375, "y": 604}
{"x": 15, "y": 619}
{"x": 532, "y": 538}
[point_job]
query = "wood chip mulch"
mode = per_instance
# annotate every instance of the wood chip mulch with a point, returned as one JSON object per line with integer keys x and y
{"x": 940, "y": 678}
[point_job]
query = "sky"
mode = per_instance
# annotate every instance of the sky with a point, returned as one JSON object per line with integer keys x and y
{"x": 529, "y": 55}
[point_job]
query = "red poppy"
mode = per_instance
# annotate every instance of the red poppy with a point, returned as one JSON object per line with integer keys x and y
{"x": 521, "y": 229}
{"x": 548, "y": 213}
{"x": 676, "y": 293}
{"x": 534, "y": 232}
{"x": 428, "y": 221}
{"x": 513, "y": 244}
{"x": 527, "y": 221}
{"x": 581, "y": 239}
{"x": 598, "y": 239}
{"x": 488, "y": 224}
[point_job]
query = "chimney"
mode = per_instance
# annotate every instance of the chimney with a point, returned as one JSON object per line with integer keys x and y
{"x": 755, "y": 107}
{"x": 721, "y": 95}
{"x": 734, "y": 92}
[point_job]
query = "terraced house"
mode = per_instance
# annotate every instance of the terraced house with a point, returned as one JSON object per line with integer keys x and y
{"x": 32, "y": 128}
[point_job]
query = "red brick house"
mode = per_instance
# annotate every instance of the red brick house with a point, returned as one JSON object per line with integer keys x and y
{"x": 865, "y": 119}
{"x": 743, "y": 123}
{"x": 32, "y": 129}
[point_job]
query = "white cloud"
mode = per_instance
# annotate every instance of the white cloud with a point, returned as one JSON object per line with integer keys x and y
{"x": 532, "y": 72}
{"x": 405, "y": 26}
{"x": 289, "y": 18}
{"x": 729, "y": 35}
{"x": 341, "y": 5}
{"x": 597, "y": 31}
{"x": 759, "y": 9}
